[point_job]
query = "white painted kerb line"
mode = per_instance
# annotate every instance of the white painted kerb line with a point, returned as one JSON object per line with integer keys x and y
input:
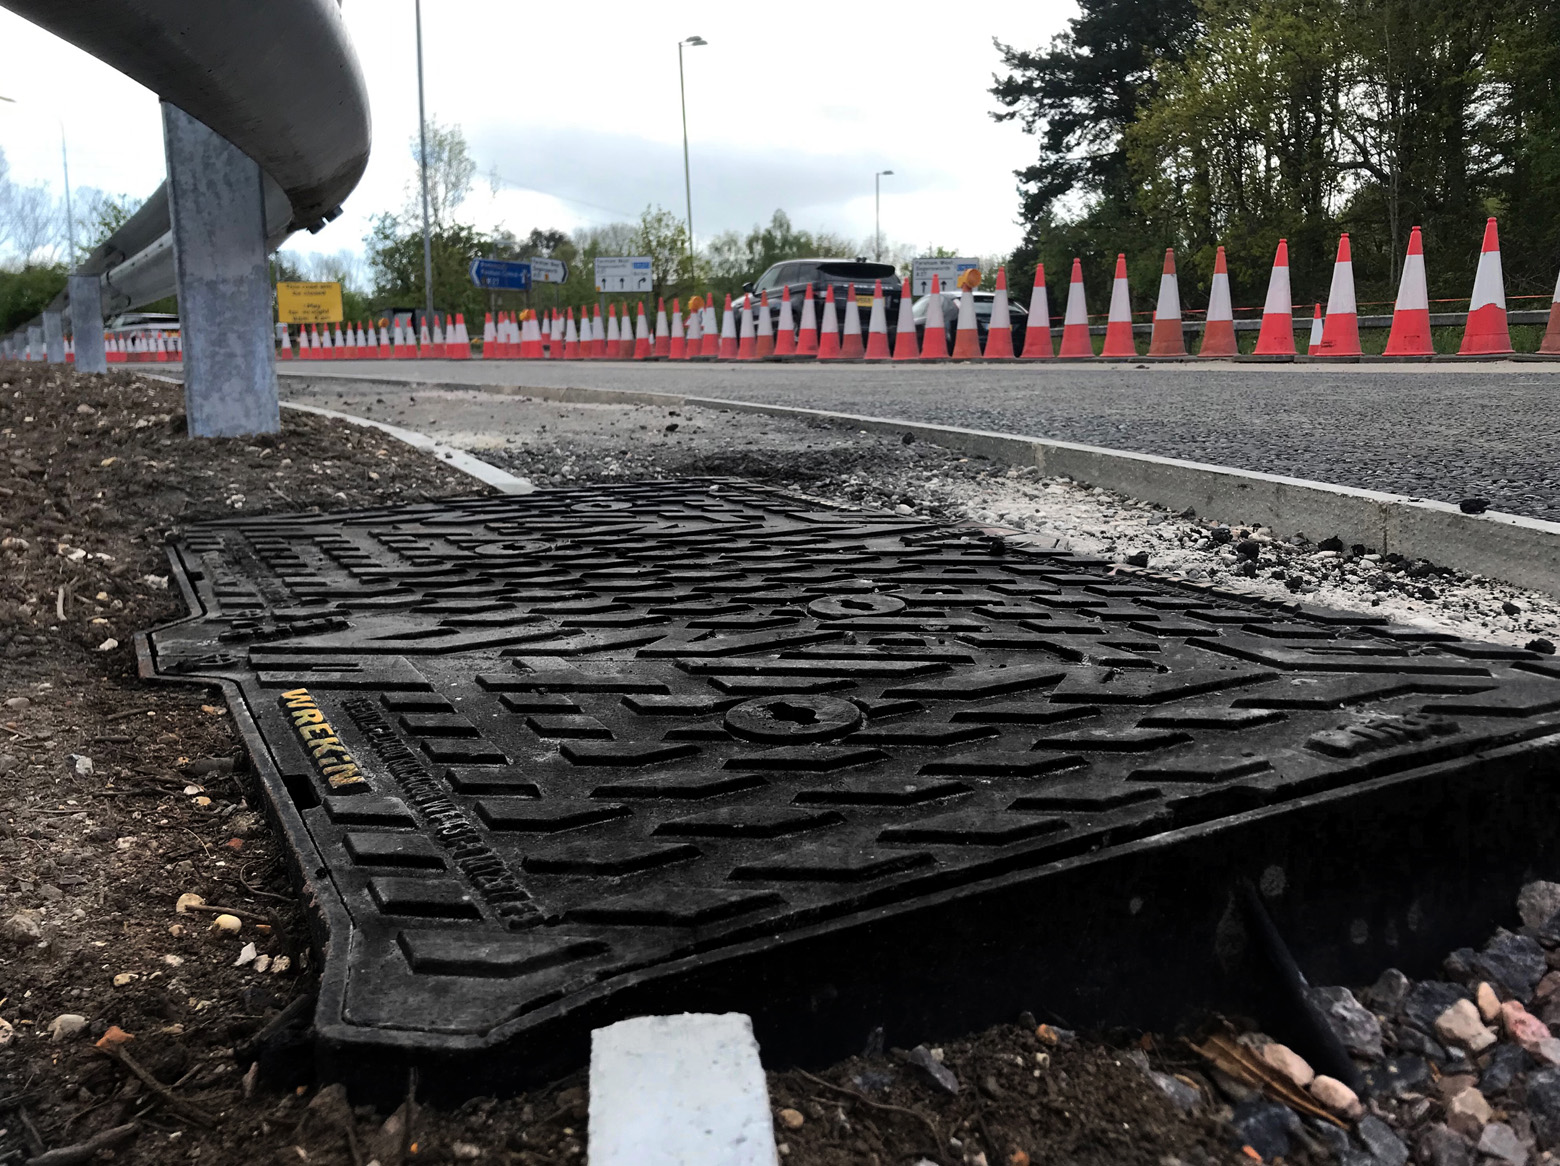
{"x": 457, "y": 459}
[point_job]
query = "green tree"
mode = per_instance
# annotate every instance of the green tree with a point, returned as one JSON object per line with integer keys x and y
{"x": 395, "y": 260}
{"x": 450, "y": 173}
{"x": 25, "y": 293}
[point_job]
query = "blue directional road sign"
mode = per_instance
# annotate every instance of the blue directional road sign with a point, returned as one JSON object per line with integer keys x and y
{"x": 501, "y": 274}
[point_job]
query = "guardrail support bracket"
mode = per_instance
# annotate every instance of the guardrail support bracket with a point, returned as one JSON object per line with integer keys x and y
{"x": 86, "y": 322}
{"x": 217, "y": 208}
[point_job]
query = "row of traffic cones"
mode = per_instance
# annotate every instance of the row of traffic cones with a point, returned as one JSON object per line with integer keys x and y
{"x": 1336, "y": 334}
{"x": 365, "y": 342}
{"x": 158, "y": 347}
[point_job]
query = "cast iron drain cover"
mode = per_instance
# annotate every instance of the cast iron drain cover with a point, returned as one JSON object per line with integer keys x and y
{"x": 550, "y": 760}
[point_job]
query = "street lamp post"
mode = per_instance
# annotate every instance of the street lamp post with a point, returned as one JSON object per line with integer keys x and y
{"x": 422, "y": 134}
{"x": 692, "y": 42}
{"x": 877, "y": 214}
{"x": 70, "y": 218}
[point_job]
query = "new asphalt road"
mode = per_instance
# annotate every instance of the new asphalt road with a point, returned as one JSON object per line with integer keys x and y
{"x": 1441, "y": 431}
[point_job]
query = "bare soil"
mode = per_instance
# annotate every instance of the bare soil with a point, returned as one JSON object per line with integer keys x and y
{"x": 117, "y": 797}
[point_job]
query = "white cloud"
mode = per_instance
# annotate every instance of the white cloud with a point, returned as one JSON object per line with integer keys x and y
{"x": 579, "y": 107}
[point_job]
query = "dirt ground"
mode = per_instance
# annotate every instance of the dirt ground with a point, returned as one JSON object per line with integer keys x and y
{"x": 128, "y": 1028}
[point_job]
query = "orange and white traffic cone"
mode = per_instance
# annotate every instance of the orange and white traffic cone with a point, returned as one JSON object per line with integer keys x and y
{"x": 558, "y": 337}
{"x": 851, "y": 347}
{"x": 326, "y": 347}
{"x": 877, "y": 327}
{"x": 934, "y": 333}
{"x": 764, "y": 342}
{"x": 1341, "y": 327}
{"x": 1118, "y": 325}
{"x": 1314, "y": 345}
{"x": 1551, "y": 342}
{"x": 677, "y": 342}
{"x": 625, "y": 338}
{"x": 163, "y": 355}
{"x": 284, "y": 349}
{"x": 1277, "y": 337}
{"x": 512, "y": 338}
{"x": 644, "y": 347}
{"x": 368, "y": 342}
{"x": 1037, "y": 330}
{"x": 1168, "y": 338}
{"x": 785, "y": 328}
{"x": 489, "y": 338}
{"x": 614, "y": 338}
{"x": 424, "y": 340}
{"x": 384, "y": 339}
{"x": 999, "y": 332}
{"x": 1218, "y": 338}
{"x": 728, "y": 332}
{"x": 70, "y": 348}
{"x": 710, "y": 345}
{"x": 906, "y": 347}
{"x": 966, "y": 336}
{"x": 571, "y": 338}
{"x": 747, "y": 337}
{"x": 439, "y": 348}
{"x": 1486, "y": 333}
{"x": 807, "y": 336}
{"x": 828, "y": 332}
{"x": 1411, "y": 314}
{"x": 1076, "y": 341}
{"x": 695, "y": 338}
{"x": 663, "y": 335}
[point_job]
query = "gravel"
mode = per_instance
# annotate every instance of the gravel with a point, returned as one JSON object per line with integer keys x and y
{"x": 1448, "y": 432}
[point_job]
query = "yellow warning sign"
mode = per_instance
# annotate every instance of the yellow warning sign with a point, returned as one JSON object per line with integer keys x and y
{"x": 308, "y": 303}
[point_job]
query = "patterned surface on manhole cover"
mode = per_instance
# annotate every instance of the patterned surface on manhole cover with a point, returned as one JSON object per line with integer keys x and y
{"x": 530, "y": 749}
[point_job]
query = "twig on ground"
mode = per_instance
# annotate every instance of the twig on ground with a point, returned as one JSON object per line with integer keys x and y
{"x": 89, "y": 1149}
{"x": 213, "y": 909}
{"x": 937, "y": 1138}
{"x": 184, "y": 1109}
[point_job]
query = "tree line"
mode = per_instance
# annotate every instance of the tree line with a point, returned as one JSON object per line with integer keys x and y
{"x": 1200, "y": 123}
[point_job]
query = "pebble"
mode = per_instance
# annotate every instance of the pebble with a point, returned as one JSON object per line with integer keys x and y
{"x": 1488, "y": 1003}
{"x": 188, "y": 900}
{"x": 18, "y": 703}
{"x": 1523, "y": 1027}
{"x": 1543, "y": 1106}
{"x": 1500, "y": 1141}
{"x": 1389, "y": 991}
{"x": 1460, "y": 1025}
{"x": 1441, "y": 1145}
{"x": 792, "y": 1119}
{"x": 1512, "y": 963}
{"x": 1468, "y": 1112}
{"x": 1507, "y": 1062}
{"x": 66, "y": 1025}
{"x": 246, "y": 955}
{"x": 1538, "y": 902}
{"x": 465, "y": 1151}
{"x": 24, "y": 927}
{"x": 231, "y": 924}
{"x": 942, "y": 1077}
{"x": 1357, "y": 1028}
{"x": 1337, "y": 1097}
{"x": 1283, "y": 1059}
{"x": 1266, "y": 1127}
{"x": 7, "y": 1033}
{"x": 1386, "y": 1148}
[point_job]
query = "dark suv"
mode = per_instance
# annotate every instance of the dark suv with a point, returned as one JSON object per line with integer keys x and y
{"x": 792, "y": 277}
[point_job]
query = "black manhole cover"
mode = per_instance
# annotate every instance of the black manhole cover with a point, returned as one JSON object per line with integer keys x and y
{"x": 546, "y": 761}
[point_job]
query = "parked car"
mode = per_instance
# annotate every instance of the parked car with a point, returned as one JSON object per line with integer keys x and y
{"x": 791, "y": 277}
{"x": 1018, "y": 317}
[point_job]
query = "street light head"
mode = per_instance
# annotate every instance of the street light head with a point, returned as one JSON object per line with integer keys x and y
{"x": 885, "y": 171}
{"x": 695, "y": 40}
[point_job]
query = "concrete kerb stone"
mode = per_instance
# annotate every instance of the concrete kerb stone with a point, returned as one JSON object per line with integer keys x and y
{"x": 1519, "y": 550}
{"x": 679, "y": 1090}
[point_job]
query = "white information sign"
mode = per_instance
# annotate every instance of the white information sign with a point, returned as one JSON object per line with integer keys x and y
{"x": 623, "y": 273}
{"x": 549, "y": 271}
{"x": 947, "y": 272}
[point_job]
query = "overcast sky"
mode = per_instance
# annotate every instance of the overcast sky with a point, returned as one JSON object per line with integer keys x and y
{"x": 576, "y": 111}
